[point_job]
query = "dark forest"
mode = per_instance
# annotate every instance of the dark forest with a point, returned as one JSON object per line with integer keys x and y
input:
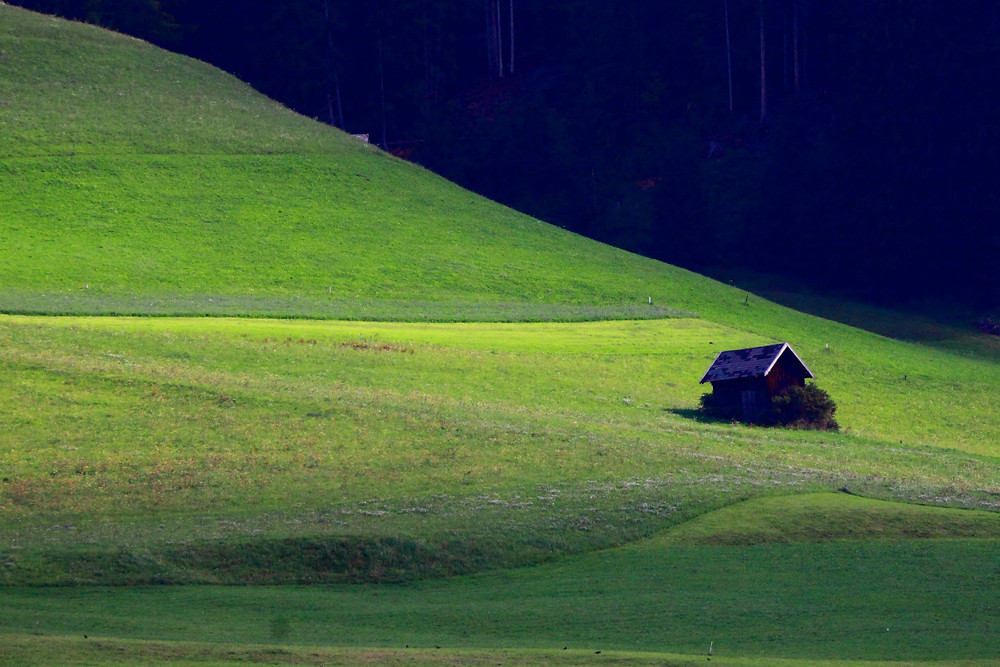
{"x": 849, "y": 146}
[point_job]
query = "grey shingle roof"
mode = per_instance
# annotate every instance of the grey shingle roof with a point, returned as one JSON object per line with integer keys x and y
{"x": 749, "y": 362}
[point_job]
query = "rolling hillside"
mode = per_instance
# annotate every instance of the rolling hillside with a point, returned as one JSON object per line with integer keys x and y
{"x": 138, "y": 181}
{"x": 479, "y": 391}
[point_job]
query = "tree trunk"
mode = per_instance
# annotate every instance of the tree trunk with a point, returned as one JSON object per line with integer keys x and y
{"x": 763, "y": 68}
{"x": 795, "y": 44}
{"x": 336, "y": 97}
{"x": 427, "y": 48}
{"x": 381, "y": 71}
{"x": 331, "y": 60}
{"x": 494, "y": 37}
{"x": 499, "y": 25}
{"x": 492, "y": 42}
{"x": 729, "y": 57}
{"x": 511, "y": 55}
{"x": 784, "y": 49}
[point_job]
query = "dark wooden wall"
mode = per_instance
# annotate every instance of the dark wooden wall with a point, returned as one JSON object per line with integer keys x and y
{"x": 779, "y": 379}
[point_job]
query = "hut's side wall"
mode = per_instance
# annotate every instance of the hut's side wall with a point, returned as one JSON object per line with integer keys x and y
{"x": 746, "y": 396}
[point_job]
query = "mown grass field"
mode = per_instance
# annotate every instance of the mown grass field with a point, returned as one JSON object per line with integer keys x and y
{"x": 79, "y": 651}
{"x": 822, "y": 595}
{"x": 489, "y": 443}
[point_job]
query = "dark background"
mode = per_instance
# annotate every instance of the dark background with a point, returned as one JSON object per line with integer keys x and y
{"x": 871, "y": 173}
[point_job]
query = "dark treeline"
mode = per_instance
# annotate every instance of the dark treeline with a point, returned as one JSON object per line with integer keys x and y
{"x": 849, "y": 144}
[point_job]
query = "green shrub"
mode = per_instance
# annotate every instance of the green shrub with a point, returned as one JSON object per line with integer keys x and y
{"x": 797, "y": 407}
{"x": 806, "y": 407}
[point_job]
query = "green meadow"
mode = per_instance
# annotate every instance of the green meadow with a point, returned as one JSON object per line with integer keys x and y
{"x": 270, "y": 396}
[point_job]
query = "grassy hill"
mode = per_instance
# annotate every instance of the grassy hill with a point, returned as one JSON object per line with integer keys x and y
{"x": 543, "y": 417}
{"x": 139, "y": 181}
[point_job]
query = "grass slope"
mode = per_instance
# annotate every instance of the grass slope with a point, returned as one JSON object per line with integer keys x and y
{"x": 246, "y": 451}
{"x": 133, "y": 180}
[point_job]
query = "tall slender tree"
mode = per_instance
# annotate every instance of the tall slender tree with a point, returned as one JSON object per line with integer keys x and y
{"x": 492, "y": 45}
{"x": 795, "y": 42}
{"x": 763, "y": 67}
{"x": 510, "y": 57}
{"x": 499, "y": 25}
{"x": 381, "y": 72}
{"x": 336, "y": 119}
{"x": 495, "y": 38}
{"x": 729, "y": 55}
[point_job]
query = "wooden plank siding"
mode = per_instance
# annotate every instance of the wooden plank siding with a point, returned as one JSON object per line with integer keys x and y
{"x": 781, "y": 378}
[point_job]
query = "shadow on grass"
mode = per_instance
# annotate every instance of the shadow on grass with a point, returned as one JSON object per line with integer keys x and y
{"x": 697, "y": 415}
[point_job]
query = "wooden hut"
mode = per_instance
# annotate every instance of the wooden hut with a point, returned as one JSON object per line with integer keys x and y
{"x": 744, "y": 381}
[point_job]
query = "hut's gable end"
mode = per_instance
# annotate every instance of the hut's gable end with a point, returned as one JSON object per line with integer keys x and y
{"x": 787, "y": 371}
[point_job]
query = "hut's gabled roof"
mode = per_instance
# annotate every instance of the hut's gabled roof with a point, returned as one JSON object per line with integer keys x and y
{"x": 751, "y": 362}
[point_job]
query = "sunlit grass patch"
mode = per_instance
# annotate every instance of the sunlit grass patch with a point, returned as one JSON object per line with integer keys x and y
{"x": 830, "y": 517}
{"x": 475, "y": 446}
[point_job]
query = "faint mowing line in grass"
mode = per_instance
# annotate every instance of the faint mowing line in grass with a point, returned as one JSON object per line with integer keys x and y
{"x": 305, "y": 307}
